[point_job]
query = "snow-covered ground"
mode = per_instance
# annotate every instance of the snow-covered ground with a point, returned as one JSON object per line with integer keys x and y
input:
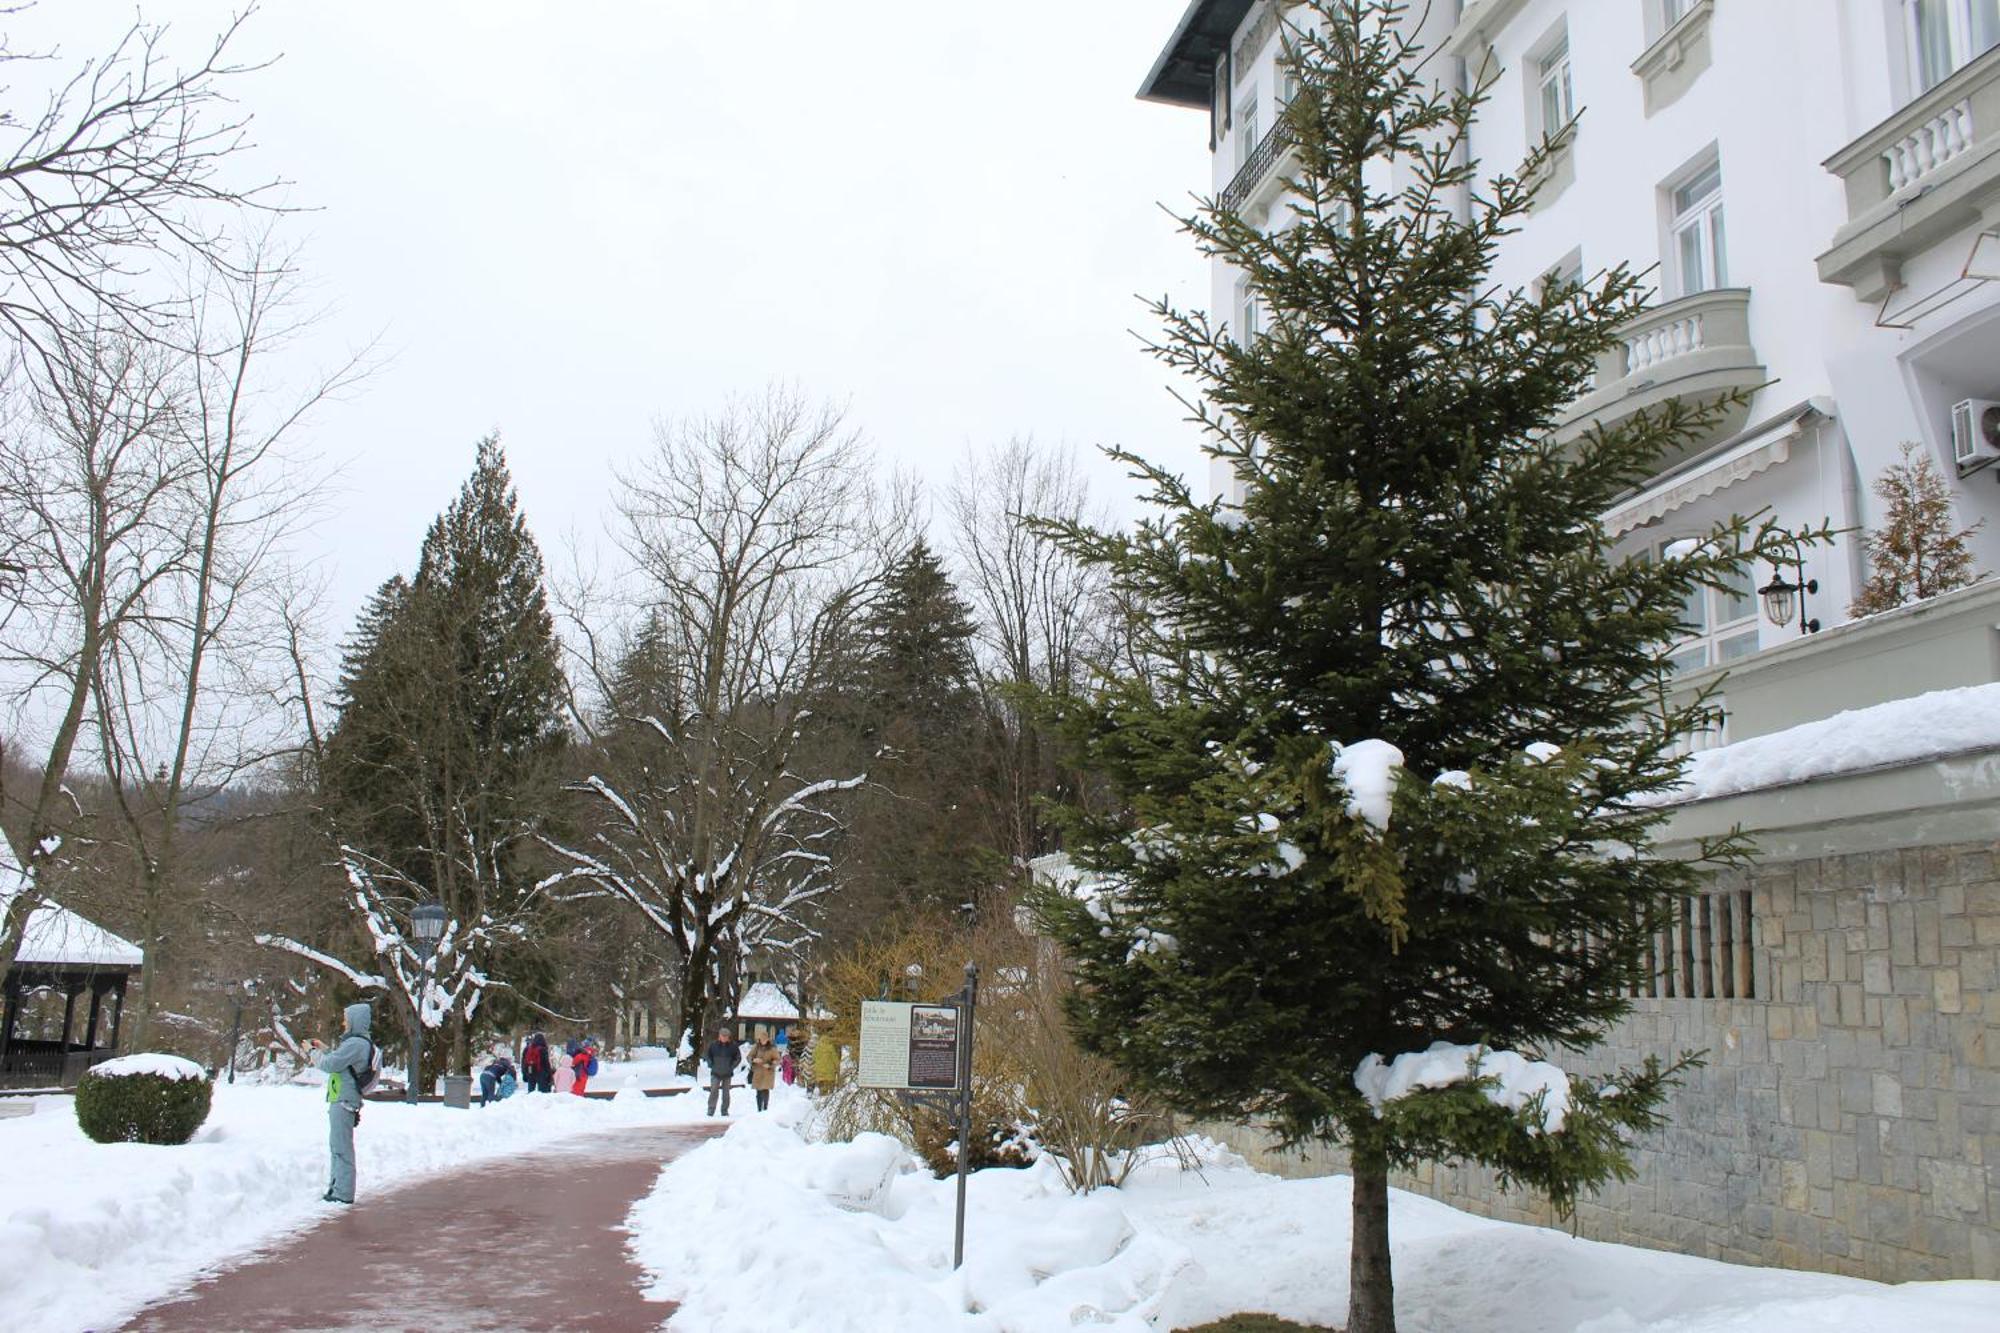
{"x": 89, "y": 1232}
{"x": 762, "y": 1230}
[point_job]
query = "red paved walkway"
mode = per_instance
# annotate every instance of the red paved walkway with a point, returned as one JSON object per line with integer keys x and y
{"x": 519, "y": 1243}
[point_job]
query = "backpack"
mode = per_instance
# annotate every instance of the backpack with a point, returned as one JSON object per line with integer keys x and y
{"x": 365, "y": 1074}
{"x": 535, "y": 1058}
{"x": 591, "y": 1068}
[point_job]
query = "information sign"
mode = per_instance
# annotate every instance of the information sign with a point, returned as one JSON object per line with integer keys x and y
{"x": 908, "y": 1045}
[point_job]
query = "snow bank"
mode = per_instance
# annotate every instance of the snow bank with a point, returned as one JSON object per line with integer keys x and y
{"x": 1902, "y": 731}
{"x": 1368, "y": 770}
{"x": 150, "y": 1062}
{"x": 93, "y": 1231}
{"x": 739, "y": 1233}
{"x": 1517, "y": 1079}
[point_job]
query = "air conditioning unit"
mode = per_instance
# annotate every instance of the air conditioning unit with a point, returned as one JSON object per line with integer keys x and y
{"x": 1975, "y": 433}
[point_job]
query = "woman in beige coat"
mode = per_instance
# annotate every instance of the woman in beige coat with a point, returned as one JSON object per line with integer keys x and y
{"x": 764, "y": 1058}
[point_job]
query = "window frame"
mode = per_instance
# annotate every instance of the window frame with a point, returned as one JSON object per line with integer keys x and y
{"x": 1963, "y": 42}
{"x": 1555, "y": 74}
{"x": 1249, "y": 313}
{"x": 1704, "y": 219}
{"x": 1249, "y": 133}
{"x": 1715, "y": 641}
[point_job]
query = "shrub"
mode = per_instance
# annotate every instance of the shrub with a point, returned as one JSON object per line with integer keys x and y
{"x": 143, "y": 1099}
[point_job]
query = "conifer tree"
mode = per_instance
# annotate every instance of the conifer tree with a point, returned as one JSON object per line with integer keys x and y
{"x": 442, "y": 764}
{"x": 916, "y": 716}
{"x": 1915, "y": 554}
{"x": 1392, "y": 782}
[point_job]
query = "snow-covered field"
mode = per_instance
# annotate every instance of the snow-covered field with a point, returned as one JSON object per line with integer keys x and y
{"x": 90, "y": 1232}
{"x": 761, "y": 1230}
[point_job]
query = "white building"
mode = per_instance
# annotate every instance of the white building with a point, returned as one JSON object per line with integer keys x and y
{"x": 1818, "y": 182}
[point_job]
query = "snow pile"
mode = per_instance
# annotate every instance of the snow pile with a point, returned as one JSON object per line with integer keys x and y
{"x": 1368, "y": 770}
{"x": 1517, "y": 1080}
{"x": 742, "y": 1232}
{"x": 1902, "y": 731}
{"x": 148, "y": 1062}
{"x": 93, "y": 1231}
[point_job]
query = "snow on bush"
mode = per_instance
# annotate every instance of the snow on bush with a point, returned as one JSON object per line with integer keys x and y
{"x": 157, "y": 1099}
{"x": 1516, "y": 1080}
{"x": 151, "y": 1062}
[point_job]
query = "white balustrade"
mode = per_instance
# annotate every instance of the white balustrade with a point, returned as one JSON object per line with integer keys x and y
{"x": 1663, "y": 342}
{"x": 1929, "y": 146}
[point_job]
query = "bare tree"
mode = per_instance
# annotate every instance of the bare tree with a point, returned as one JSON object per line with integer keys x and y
{"x": 756, "y": 543}
{"x": 185, "y": 707}
{"x": 1041, "y": 611}
{"x": 93, "y": 491}
{"x": 123, "y": 164}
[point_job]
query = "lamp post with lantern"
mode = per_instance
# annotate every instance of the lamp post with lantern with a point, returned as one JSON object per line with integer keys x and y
{"x": 427, "y": 924}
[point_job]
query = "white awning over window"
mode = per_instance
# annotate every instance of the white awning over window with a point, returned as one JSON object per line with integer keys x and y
{"x": 1757, "y": 450}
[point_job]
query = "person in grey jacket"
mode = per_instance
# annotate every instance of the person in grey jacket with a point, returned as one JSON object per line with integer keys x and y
{"x": 346, "y": 1065}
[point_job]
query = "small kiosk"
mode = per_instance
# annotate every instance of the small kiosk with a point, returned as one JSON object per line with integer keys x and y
{"x": 47, "y": 1038}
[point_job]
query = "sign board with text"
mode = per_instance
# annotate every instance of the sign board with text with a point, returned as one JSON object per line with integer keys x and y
{"x": 908, "y": 1045}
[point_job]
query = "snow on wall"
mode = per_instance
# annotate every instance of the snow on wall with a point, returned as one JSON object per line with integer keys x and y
{"x": 1902, "y": 731}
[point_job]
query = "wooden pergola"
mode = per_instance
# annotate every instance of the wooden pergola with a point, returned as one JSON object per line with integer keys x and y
{"x": 62, "y": 953}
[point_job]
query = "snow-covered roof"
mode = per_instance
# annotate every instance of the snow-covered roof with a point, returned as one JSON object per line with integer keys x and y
{"x": 58, "y": 937}
{"x": 1885, "y": 735}
{"x": 765, "y": 1000}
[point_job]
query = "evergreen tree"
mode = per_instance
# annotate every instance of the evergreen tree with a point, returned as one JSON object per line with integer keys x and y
{"x": 1915, "y": 553}
{"x": 443, "y": 759}
{"x": 913, "y": 709}
{"x": 1392, "y": 781}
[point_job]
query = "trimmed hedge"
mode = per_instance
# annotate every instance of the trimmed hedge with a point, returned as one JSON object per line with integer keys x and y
{"x": 141, "y": 1108}
{"x": 1258, "y": 1323}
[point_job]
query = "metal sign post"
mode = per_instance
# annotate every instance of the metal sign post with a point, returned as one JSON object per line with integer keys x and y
{"x": 904, "y": 1058}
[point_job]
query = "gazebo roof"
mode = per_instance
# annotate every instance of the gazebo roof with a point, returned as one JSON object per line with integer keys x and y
{"x": 58, "y": 937}
{"x": 765, "y": 1000}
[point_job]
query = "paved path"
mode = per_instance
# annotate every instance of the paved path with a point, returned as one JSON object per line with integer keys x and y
{"x": 519, "y": 1243}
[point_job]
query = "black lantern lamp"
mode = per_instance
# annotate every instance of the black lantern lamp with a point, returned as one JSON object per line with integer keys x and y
{"x": 1782, "y": 597}
{"x": 427, "y": 923}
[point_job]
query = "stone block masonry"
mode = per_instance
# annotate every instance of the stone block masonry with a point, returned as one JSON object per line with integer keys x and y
{"x": 1848, "y": 1117}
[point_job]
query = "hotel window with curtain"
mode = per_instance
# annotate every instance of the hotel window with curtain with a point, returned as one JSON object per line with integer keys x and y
{"x": 1701, "y": 260}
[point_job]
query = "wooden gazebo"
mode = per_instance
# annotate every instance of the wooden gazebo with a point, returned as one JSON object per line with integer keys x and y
{"x": 68, "y": 956}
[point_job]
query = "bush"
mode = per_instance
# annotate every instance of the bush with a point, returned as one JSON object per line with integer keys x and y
{"x": 152, "y": 1099}
{"x": 1257, "y": 1323}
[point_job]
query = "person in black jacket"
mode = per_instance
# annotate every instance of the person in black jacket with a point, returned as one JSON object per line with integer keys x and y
{"x": 538, "y": 1071}
{"x": 721, "y": 1057}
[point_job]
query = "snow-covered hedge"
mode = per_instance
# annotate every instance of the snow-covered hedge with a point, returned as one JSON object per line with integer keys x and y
{"x": 143, "y": 1099}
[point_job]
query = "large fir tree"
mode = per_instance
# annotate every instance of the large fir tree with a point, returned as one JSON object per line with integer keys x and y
{"x": 442, "y": 763}
{"x": 1415, "y": 562}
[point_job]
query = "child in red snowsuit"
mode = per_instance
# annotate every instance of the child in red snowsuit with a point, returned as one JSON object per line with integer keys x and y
{"x": 580, "y": 1063}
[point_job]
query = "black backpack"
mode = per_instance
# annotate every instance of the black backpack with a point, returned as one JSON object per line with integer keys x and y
{"x": 364, "y": 1074}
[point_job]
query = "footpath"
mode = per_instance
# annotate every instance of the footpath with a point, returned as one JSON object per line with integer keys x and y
{"x": 533, "y": 1242}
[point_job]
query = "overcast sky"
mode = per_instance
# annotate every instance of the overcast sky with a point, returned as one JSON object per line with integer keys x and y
{"x": 567, "y": 220}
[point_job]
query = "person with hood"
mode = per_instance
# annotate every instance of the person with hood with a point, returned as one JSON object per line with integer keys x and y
{"x": 721, "y": 1057}
{"x": 565, "y": 1075}
{"x": 536, "y": 1070}
{"x": 350, "y": 1068}
{"x": 582, "y": 1060}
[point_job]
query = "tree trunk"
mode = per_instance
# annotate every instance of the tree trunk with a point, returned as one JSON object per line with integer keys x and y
{"x": 1371, "y": 1290}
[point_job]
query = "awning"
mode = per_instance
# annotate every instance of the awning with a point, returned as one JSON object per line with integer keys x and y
{"x": 1756, "y": 450}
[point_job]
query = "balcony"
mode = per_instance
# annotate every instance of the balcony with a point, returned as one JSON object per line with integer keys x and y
{"x": 1696, "y": 347}
{"x": 1928, "y": 171}
{"x": 1261, "y": 175}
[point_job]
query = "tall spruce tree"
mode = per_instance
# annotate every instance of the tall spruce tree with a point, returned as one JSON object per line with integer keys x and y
{"x": 1394, "y": 780}
{"x": 914, "y": 710}
{"x": 443, "y": 762}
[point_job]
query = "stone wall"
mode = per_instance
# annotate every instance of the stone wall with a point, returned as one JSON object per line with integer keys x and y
{"x": 1848, "y": 1119}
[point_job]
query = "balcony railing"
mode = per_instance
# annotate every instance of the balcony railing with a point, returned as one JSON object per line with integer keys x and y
{"x": 1920, "y": 176}
{"x": 1697, "y": 346}
{"x": 1261, "y": 166}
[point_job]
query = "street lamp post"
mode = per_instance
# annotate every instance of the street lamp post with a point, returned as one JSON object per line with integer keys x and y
{"x": 427, "y": 924}
{"x": 236, "y": 1025}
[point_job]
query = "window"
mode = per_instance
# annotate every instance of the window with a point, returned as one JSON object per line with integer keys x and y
{"x": 1249, "y": 317}
{"x": 1700, "y": 259}
{"x": 1719, "y": 624}
{"x": 1673, "y": 11}
{"x": 1558, "y": 101}
{"x": 1947, "y": 34}
{"x": 1246, "y": 128}
{"x": 1568, "y": 271}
